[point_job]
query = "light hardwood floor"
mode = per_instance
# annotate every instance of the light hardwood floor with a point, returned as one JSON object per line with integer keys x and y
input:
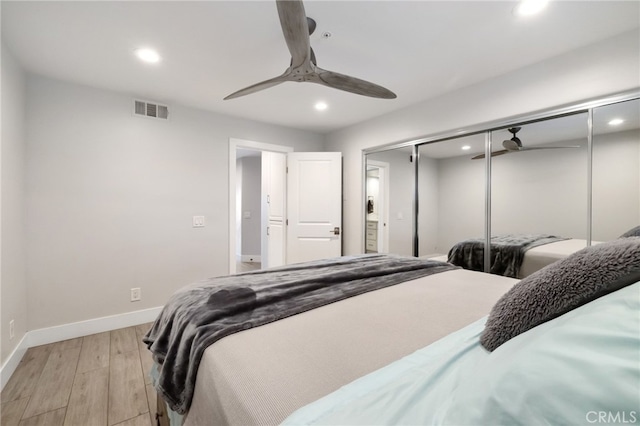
{"x": 247, "y": 266}
{"x": 97, "y": 380}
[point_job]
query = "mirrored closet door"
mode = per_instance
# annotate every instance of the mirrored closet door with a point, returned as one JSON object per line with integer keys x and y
{"x": 553, "y": 185}
{"x": 389, "y": 204}
{"x": 451, "y": 194}
{"x": 616, "y": 170}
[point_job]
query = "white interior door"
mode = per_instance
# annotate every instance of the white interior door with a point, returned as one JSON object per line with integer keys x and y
{"x": 314, "y": 206}
{"x": 274, "y": 207}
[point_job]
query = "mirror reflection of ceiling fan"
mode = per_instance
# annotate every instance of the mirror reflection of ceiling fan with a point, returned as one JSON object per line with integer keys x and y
{"x": 297, "y": 28}
{"x": 515, "y": 145}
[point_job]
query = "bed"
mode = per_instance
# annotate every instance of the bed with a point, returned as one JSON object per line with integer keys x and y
{"x": 519, "y": 255}
{"x": 538, "y": 257}
{"x": 304, "y": 368}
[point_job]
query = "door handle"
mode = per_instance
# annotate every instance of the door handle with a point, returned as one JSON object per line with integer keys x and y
{"x": 336, "y": 231}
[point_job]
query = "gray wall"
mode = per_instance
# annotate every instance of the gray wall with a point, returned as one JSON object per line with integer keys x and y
{"x": 616, "y": 184}
{"x": 13, "y": 286}
{"x": 251, "y": 193}
{"x": 461, "y": 201}
{"x": 428, "y": 212}
{"x": 607, "y": 67}
{"x": 542, "y": 191}
{"x": 110, "y": 199}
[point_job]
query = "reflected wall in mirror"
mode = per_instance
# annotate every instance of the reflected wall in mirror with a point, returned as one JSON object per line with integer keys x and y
{"x": 389, "y": 201}
{"x": 539, "y": 193}
{"x": 541, "y": 188}
{"x": 451, "y": 194}
{"x": 616, "y": 170}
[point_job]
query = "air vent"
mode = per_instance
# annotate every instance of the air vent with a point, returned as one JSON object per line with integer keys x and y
{"x": 149, "y": 109}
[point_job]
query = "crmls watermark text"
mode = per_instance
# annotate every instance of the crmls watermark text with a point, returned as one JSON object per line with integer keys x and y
{"x": 612, "y": 417}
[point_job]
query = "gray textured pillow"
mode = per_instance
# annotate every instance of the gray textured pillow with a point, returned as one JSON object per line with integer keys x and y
{"x": 633, "y": 232}
{"x": 562, "y": 286}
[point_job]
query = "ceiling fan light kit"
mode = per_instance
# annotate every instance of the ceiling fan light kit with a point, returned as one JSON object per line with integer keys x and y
{"x": 296, "y": 28}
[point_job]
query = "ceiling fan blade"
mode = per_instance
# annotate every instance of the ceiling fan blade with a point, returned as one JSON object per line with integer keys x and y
{"x": 493, "y": 154}
{"x": 262, "y": 85}
{"x": 295, "y": 29}
{"x": 547, "y": 147}
{"x": 352, "y": 84}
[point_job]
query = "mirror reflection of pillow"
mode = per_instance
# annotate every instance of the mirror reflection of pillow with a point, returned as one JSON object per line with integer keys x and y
{"x": 633, "y": 232}
{"x": 561, "y": 287}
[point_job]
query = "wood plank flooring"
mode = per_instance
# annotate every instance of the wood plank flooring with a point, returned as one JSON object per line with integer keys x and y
{"x": 97, "y": 380}
{"x": 247, "y": 266}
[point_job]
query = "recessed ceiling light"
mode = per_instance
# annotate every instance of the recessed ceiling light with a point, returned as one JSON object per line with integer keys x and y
{"x": 321, "y": 106}
{"x": 466, "y": 148}
{"x": 147, "y": 55}
{"x": 616, "y": 121}
{"x": 530, "y": 7}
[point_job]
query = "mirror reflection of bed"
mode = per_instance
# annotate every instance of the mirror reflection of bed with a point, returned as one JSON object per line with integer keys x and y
{"x": 547, "y": 189}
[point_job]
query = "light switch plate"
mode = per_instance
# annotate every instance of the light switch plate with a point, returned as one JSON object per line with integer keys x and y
{"x": 198, "y": 221}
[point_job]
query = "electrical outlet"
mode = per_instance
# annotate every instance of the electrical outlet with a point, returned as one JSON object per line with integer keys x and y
{"x": 12, "y": 330}
{"x": 136, "y": 294}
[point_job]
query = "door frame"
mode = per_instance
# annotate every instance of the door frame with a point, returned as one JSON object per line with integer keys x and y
{"x": 234, "y": 145}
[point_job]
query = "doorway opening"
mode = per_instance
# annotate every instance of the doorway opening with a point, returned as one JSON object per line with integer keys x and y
{"x": 248, "y": 209}
{"x": 247, "y": 200}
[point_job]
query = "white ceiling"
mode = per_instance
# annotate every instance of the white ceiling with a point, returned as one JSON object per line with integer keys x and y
{"x": 418, "y": 49}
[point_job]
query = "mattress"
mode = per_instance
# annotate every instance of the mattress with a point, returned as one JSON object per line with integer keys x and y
{"x": 541, "y": 256}
{"x": 262, "y": 375}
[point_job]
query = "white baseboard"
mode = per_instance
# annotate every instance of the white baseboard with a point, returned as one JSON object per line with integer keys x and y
{"x": 97, "y": 325}
{"x": 250, "y": 258}
{"x": 58, "y": 333}
{"x": 12, "y": 362}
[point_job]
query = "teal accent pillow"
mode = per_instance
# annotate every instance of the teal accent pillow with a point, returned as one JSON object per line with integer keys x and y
{"x": 561, "y": 287}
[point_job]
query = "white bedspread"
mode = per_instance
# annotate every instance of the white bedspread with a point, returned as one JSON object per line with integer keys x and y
{"x": 262, "y": 375}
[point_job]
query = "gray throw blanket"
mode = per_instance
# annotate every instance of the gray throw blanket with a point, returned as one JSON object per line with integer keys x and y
{"x": 507, "y": 252}
{"x": 199, "y": 315}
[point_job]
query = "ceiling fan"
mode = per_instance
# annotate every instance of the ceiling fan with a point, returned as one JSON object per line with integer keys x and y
{"x": 297, "y": 28}
{"x": 515, "y": 145}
